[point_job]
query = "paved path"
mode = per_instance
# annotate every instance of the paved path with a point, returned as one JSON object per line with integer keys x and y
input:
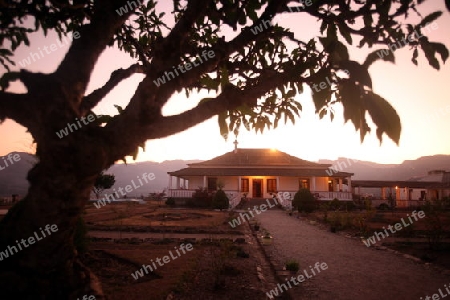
{"x": 354, "y": 271}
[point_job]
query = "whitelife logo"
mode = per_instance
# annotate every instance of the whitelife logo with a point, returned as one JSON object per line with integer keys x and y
{"x": 380, "y": 235}
{"x": 415, "y": 36}
{"x": 128, "y": 189}
{"x": 296, "y": 280}
{"x": 73, "y": 126}
{"x": 166, "y": 259}
{"x": 184, "y": 68}
{"x": 65, "y": 41}
{"x": 11, "y": 158}
{"x": 31, "y": 240}
{"x": 243, "y": 216}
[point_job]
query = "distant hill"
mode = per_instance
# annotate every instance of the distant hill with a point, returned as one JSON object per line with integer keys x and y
{"x": 125, "y": 173}
{"x": 13, "y": 178}
{"x": 409, "y": 168}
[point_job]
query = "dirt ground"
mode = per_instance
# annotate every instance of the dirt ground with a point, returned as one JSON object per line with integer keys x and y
{"x": 215, "y": 268}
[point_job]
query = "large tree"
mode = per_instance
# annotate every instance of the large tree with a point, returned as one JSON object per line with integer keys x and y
{"x": 256, "y": 70}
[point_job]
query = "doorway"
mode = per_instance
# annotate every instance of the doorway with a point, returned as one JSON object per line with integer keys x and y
{"x": 257, "y": 188}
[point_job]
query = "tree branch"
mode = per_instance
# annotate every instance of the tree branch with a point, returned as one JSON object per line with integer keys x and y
{"x": 75, "y": 69}
{"x": 15, "y": 107}
{"x": 91, "y": 100}
{"x": 121, "y": 143}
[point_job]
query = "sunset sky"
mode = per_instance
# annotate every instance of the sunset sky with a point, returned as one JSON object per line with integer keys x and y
{"x": 419, "y": 94}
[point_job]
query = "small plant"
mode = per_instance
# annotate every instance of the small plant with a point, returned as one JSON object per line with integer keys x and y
{"x": 256, "y": 227}
{"x": 170, "y": 201}
{"x": 220, "y": 200}
{"x": 383, "y": 206}
{"x": 267, "y": 235}
{"x": 201, "y": 199}
{"x": 335, "y": 204}
{"x": 292, "y": 266}
{"x": 434, "y": 222}
{"x": 242, "y": 254}
{"x": 304, "y": 201}
{"x": 325, "y": 207}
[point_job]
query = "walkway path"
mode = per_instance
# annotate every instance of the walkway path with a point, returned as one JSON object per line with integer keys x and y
{"x": 354, "y": 271}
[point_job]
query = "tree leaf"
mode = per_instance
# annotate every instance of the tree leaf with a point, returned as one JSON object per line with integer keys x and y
{"x": 345, "y": 33}
{"x": 358, "y": 72}
{"x": 350, "y": 96}
{"x": 384, "y": 54}
{"x": 222, "y": 118}
{"x": 430, "y": 18}
{"x": 384, "y": 116}
{"x": 430, "y": 54}
{"x": 441, "y": 49}
{"x": 415, "y": 55}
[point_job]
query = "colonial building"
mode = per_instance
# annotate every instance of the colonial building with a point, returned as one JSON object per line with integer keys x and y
{"x": 409, "y": 193}
{"x": 258, "y": 173}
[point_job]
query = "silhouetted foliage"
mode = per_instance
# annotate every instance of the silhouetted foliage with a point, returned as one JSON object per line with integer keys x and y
{"x": 220, "y": 200}
{"x": 304, "y": 201}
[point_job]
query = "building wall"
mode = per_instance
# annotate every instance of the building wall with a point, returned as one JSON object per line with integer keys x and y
{"x": 231, "y": 183}
{"x": 322, "y": 184}
{"x": 288, "y": 184}
{"x": 195, "y": 182}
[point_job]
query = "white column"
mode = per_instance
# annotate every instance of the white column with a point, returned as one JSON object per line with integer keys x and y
{"x": 178, "y": 183}
{"x": 340, "y": 184}
{"x": 239, "y": 184}
{"x": 278, "y": 183}
{"x": 170, "y": 182}
{"x": 313, "y": 184}
{"x": 349, "y": 183}
{"x": 204, "y": 182}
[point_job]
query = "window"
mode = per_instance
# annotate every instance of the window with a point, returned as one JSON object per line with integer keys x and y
{"x": 245, "y": 185}
{"x": 212, "y": 183}
{"x": 271, "y": 185}
{"x": 303, "y": 183}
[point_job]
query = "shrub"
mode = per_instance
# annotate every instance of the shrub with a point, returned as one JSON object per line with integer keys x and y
{"x": 383, "y": 206}
{"x": 220, "y": 200}
{"x": 292, "y": 265}
{"x": 201, "y": 198}
{"x": 304, "y": 201}
{"x": 349, "y": 205}
{"x": 170, "y": 201}
{"x": 335, "y": 204}
{"x": 325, "y": 207}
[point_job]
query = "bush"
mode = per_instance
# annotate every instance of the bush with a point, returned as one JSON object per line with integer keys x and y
{"x": 201, "y": 198}
{"x": 383, "y": 206}
{"x": 304, "y": 201}
{"x": 335, "y": 204}
{"x": 170, "y": 201}
{"x": 292, "y": 265}
{"x": 220, "y": 200}
{"x": 349, "y": 205}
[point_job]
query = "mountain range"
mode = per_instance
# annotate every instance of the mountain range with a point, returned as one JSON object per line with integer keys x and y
{"x": 13, "y": 178}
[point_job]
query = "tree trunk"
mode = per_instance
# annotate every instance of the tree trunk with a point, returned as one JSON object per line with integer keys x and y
{"x": 49, "y": 268}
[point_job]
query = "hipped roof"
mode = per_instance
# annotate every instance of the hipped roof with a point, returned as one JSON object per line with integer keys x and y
{"x": 258, "y": 162}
